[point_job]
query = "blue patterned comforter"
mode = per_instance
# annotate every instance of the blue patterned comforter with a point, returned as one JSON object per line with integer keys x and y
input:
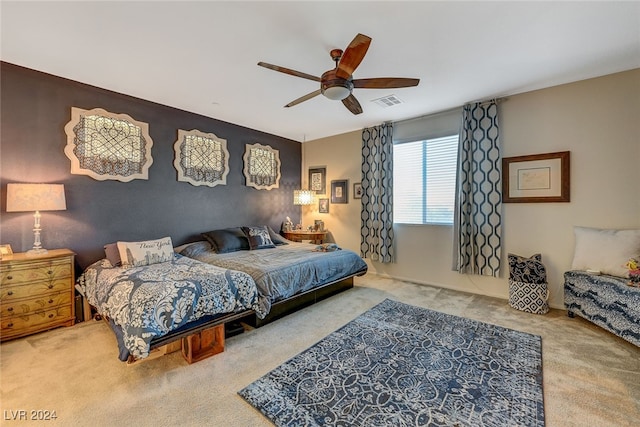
{"x": 150, "y": 301}
{"x": 285, "y": 270}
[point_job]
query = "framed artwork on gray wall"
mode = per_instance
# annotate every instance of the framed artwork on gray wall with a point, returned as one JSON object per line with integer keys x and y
{"x": 201, "y": 158}
{"x": 108, "y": 146}
{"x": 261, "y": 167}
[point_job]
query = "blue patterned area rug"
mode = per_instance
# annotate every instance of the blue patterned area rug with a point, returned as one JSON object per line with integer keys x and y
{"x": 400, "y": 365}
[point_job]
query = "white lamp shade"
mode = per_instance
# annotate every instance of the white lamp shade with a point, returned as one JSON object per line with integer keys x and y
{"x": 303, "y": 197}
{"x": 35, "y": 197}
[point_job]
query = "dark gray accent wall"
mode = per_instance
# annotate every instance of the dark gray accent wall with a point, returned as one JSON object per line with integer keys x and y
{"x": 34, "y": 110}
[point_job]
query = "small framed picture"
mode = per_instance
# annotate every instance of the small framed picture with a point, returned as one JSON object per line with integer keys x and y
{"x": 318, "y": 180}
{"x": 339, "y": 191}
{"x": 5, "y": 250}
{"x": 323, "y": 205}
{"x": 357, "y": 190}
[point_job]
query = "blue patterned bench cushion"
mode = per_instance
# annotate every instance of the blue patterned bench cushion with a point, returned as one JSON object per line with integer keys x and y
{"x": 606, "y": 301}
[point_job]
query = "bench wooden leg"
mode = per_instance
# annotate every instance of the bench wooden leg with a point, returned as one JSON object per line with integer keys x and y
{"x": 203, "y": 344}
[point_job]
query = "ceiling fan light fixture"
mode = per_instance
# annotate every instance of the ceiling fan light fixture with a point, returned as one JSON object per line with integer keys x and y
{"x": 337, "y": 93}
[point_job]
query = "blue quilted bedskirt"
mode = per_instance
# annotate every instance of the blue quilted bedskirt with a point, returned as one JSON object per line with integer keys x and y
{"x": 606, "y": 301}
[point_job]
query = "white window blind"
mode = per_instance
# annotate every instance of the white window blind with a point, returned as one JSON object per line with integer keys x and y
{"x": 424, "y": 178}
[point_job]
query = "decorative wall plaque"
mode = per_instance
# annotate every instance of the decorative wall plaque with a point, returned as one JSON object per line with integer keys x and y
{"x": 261, "y": 167}
{"x": 201, "y": 158}
{"x": 105, "y": 145}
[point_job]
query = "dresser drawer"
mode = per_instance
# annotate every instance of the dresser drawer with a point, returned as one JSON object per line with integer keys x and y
{"x": 30, "y": 305}
{"x": 37, "y": 321}
{"x": 18, "y": 273}
{"x": 12, "y": 293}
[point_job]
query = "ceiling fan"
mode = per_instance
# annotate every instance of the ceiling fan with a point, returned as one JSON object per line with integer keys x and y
{"x": 338, "y": 83}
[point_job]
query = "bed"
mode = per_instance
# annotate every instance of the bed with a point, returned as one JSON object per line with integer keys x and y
{"x": 283, "y": 271}
{"x": 153, "y": 294}
{"x": 146, "y": 303}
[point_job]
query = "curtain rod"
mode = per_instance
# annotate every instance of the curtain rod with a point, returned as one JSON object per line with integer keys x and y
{"x": 450, "y": 110}
{"x": 486, "y": 101}
{"x": 437, "y": 113}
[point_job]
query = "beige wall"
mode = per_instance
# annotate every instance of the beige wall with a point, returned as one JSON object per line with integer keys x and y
{"x": 598, "y": 120}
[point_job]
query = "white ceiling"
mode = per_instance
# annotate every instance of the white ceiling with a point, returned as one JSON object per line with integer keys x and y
{"x": 202, "y": 56}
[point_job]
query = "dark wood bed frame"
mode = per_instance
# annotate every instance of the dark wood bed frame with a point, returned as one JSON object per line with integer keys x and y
{"x": 207, "y": 339}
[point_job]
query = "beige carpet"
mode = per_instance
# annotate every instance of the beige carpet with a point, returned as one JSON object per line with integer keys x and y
{"x": 591, "y": 377}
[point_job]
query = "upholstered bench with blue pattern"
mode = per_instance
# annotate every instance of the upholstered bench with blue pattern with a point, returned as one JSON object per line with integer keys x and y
{"x": 606, "y": 301}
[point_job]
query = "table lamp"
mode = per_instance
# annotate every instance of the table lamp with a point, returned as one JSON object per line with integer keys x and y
{"x": 35, "y": 197}
{"x": 303, "y": 197}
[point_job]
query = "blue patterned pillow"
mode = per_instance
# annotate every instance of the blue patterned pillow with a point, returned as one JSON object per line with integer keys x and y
{"x": 258, "y": 237}
{"x": 527, "y": 270}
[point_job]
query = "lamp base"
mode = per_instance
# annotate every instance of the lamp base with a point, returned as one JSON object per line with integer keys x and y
{"x": 36, "y": 252}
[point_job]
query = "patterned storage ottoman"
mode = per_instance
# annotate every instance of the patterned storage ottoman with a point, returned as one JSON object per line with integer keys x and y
{"x": 528, "y": 284}
{"x": 606, "y": 301}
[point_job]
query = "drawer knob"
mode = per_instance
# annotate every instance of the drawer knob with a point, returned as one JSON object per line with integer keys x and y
{"x": 9, "y": 277}
{"x": 10, "y": 309}
{"x": 50, "y": 286}
{"x": 10, "y": 293}
{"x": 50, "y": 271}
{"x": 10, "y": 325}
{"x": 50, "y": 301}
{"x": 51, "y": 315}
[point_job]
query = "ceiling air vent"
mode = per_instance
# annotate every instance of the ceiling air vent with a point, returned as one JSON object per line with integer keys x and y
{"x": 388, "y": 101}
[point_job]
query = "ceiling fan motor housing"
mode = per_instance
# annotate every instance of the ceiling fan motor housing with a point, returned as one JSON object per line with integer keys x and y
{"x": 334, "y": 87}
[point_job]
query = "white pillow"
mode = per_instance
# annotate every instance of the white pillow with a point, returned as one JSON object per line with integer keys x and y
{"x": 134, "y": 254}
{"x": 605, "y": 250}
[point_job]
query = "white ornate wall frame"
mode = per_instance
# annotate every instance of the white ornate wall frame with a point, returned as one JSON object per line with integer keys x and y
{"x": 106, "y": 145}
{"x": 201, "y": 158}
{"x": 261, "y": 167}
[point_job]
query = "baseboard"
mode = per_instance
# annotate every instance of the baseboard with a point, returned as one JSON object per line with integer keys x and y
{"x": 444, "y": 286}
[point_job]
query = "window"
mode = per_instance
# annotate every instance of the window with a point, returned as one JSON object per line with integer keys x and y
{"x": 424, "y": 180}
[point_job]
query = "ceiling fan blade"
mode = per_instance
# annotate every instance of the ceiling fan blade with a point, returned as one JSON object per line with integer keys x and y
{"x": 352, "y": 104}
{"x": 304, "y": 98}
{"x": 289, "y": 71}
{"x": 353, "y": 55}
{"x": 385, "y": 83}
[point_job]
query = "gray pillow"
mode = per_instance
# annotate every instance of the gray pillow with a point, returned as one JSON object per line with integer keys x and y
{"x": 194, "y": 249}
{"x": 276, "y": 238}
{"x": 113, "y": 254}
{"x": 227, "y": 240}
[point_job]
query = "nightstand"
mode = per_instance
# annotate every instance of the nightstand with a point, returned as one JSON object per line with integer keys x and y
{"x": 300, "y": 235}
{"x": 36, "y": 292}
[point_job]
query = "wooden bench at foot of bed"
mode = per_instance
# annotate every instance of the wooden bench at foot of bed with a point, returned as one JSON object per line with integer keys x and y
{"x": 203, "y": 344}
{"x": 194, "y": 347}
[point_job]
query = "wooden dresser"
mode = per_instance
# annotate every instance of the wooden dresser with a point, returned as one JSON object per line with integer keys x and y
{"x": 36, "y": 292}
